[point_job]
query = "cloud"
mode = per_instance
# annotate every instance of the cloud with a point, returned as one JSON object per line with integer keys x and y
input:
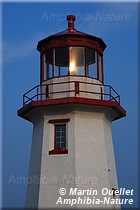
{"x": 13, "y": 51}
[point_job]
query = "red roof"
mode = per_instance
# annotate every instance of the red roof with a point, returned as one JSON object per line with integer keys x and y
{"x": 71, "y": 31}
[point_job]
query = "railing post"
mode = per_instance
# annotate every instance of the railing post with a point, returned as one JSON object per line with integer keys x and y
{"x": 76, "y": 88}
{"x": 119, "y": 98}
{"x": 47, "y": 91}
{"x": 101, "y": 93}
{"x": 110, "y": 92}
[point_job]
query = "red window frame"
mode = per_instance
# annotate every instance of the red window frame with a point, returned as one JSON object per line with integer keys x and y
{"x": 59, "y": 150}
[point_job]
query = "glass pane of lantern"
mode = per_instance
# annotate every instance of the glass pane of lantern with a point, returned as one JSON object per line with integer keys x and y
{"x": 76, "y": 65}
{"x": 48, "y": 64}
{"x": 100, "y": 67}
{"x": 61, "y": 61}
{"x": 91, "y": 63}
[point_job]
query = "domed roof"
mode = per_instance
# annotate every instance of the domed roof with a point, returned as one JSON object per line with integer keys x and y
{"x": 71, "y": 32}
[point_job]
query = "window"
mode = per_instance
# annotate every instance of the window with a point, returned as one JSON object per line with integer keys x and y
{"x": 76, "y": 65}
{"x": 72, "y": 60}
{"x": 60, "y": 136}
{"x": 61, "y": 61}
{"x": 91, "y": 64}
{"x": 100, "y": 67}
{"x": 48, "y": 65}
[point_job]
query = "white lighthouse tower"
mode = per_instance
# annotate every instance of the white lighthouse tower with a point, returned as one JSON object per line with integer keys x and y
{"x": 72, "y": 161}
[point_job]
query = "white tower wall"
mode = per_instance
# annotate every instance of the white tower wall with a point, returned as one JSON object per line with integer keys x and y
{"x": 90, "y": 160}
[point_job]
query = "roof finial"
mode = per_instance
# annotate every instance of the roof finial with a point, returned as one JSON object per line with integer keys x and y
{"x": 71, "y": 19}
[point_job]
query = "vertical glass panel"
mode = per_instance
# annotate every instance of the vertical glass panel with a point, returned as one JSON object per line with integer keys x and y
{"x": 61, "y": 61}
{"x": 76, "y": 65}
{"x": 60, "y": 136}
{"x": 100, "y": 67}
{"x": 48, "y": 64}
{"x": 91, "y": 67}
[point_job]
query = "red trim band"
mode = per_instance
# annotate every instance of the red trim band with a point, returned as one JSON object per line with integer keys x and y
{"x": 114, "y": 105}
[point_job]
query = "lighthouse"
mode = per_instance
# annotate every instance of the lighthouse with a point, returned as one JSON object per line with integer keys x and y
{"x": 72, "y": 163}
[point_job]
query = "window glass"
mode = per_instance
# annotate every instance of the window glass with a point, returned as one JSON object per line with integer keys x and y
{"x": 76, "y": 65}
{"x": 100, "y": 67}
{"x": 91, "y": 67}
{"x": 61, "y": 61}
{"x": 60, "y": 136}
{"x": 48, "y": 64}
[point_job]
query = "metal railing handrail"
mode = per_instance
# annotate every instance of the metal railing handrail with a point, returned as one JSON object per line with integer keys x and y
{"x": 113, "y": 95}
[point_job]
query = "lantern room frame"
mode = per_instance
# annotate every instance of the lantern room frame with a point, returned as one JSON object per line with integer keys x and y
{"x": 96, "y": 73}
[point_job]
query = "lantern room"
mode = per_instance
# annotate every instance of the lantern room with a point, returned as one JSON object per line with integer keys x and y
{"x": 72, "y": 60}
{"x": 71, "y": 53}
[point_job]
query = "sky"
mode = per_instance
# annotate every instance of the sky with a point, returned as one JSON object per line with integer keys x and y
{"x": 23, "y": 25}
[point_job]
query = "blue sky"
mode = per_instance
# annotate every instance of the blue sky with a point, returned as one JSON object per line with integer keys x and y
{"x": 23, "y": 25}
